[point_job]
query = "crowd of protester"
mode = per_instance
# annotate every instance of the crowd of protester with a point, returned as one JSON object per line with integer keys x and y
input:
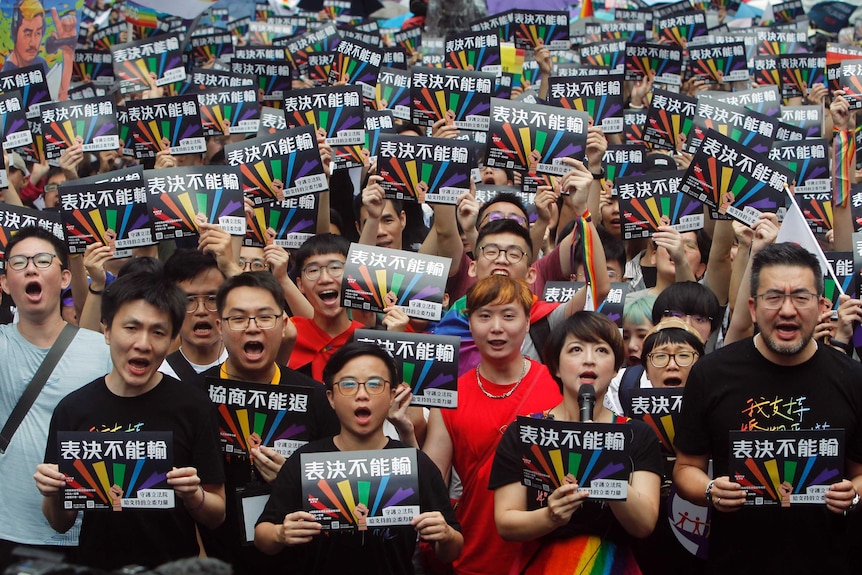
{"x": 726, "y": 313}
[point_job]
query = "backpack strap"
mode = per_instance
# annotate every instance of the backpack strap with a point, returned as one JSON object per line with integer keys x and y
{"x": 182, "y": 367}
{"x": 539, "y": 332}
{"x": 630, "y": 382}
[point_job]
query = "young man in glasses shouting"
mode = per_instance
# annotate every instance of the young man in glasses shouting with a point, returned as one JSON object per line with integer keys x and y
{"x": 780, "y": 379}
{"x": 34, "y": 275}
{"x": 319, "y": 268}
{"x": 360, "y": 384}
{"x": 253, "y": 325}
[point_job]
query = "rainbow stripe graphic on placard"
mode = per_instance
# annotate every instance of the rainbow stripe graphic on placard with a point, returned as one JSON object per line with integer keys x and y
{"x": 84, "y": 227}
{"x": 767, "y": 77}
{"x": 292, "y": 225}
{"x": 101, "y": 475}
{"x": 150, "y": 133}
{"x": 799, "y": 474}
{"x": 411, "y": 172}
{"x": 334, "y": 121}
{"x": 684, "y": 33}
{"x": 653, "y": 208}
{"x": 716, "y": 69}
{"x": 385, "y": 281}
{"x": 177, "y": 210}
{"x": 818, "y": 213}
{"x": 347, "y": 498}
{"x": 208, "y": 51}
{"x": 430, "y": 105}
{"x": 105, "y": 42}
{"x": 549, "y": 34}
{"x": 237, "y": 424}
{"x": 356, "y": 70}
{"x": 610, "y": 60}
{"x": 61, "y": 135}
{"x": 664, "y": 429}
{"x": 474, "y": 58}
{"x": 416, "y": 376}
{"x": 801, "y": 79}
{"x": 92, "y": 71}
{"x": 584, "y": 467}
{"x": 214, "y": 117}
{"x": 394, "y": 96}
{"x": 753, "y": 140}
{"x": 598, "y": 107}
{"x": 717, "y": 177}
{"x": 376, "y": 479}
{"x": 642, "y": 65}
{"x": 522, "y": 140}
{"x": 12, "y": 123}
{"x": 137, "y": 72}
{"x": 667, "y": 127}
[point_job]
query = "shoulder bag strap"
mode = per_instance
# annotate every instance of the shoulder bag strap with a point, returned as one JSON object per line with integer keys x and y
{"x": 34, "y": 388}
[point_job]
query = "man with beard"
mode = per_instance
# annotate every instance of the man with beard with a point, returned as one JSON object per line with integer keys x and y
{"x": 780, "y": 379}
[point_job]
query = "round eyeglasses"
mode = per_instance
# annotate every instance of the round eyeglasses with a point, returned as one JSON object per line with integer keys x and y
{"x": 374, "y": 386}
{"x": 682, "y": 359}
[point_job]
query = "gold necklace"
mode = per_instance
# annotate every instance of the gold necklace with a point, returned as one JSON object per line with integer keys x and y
{"x": 511, "y": 390}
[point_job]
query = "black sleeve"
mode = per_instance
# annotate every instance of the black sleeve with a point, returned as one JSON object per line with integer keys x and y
{"x": 692, "y": 435}
{"x": 507, "y": 467}
{"x": 645, "y": 449}
{"x": 433, "y": 494}
{"x": 51, "y": 454}
{"x": 419, "y": 7}
{"x": 325, "y": 419}
{"x": 207, "y": 455}
{"x": 286, "y": 494}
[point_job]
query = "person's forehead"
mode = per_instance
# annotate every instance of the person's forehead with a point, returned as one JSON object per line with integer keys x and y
{"x": 143, "y": 312}
{"x": 500, "y": 307}
{"x": 505, "y": 207}
{"x": 251, "y": 252}
{"x": 209, "y": 278}
{"x": 781, "y": 276}
{"x": 323, "y": 259}
{"x": 389, "y": 209}
{"x": 32, "y": 246}
{"x": 364, "y": 364}
{"x": 250, "y": 298}
{"x": 505, "y": 239}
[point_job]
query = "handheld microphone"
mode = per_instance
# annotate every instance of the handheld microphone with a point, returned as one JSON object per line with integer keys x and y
{"x": 587, "y": 401}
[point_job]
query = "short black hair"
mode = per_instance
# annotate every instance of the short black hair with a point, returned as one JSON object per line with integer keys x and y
{"x": 336, "y": 220}
{"x": 505, "y": 197}
{"x": 144, "y": 264}
{"x": 506, "y": 227}
{"x": 263, "y": 280}
{"x": 355, "y": 349}
{"x": 588, "y": 326}
{"x": 690, "y": 298}
{"x": 153, "y": 289}
{"x": 784, "y": 254}
{"x": 670, "y": 335}
{"x": 187, "y": 263}
{"x": 27, "y": 232}
{"x": 320, "y": 244}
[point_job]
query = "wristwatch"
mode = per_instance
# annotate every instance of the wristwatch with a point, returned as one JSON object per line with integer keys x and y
{"x": 853, "y": 504}
{"x": 708, "y": 492}
{"x": 600, "y": 176}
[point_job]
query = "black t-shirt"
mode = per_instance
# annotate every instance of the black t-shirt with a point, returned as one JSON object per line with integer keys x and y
{"x": 736, "y": 388}
{"x": 594, "y": 518}
{"x": 380, "y": 551}
{"x": 147, "y": 537}
{"x": 226, "y": 542}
